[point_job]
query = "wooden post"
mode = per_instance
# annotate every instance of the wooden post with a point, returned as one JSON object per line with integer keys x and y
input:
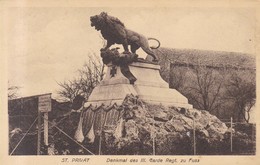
{"x": 231, "y": 134}
{"x": 44, "y": 106}
{"x": 153, "y": 136}
{"x": 194, "y": 138}
{"x": 39, "y": 134}
{"x": 46, "y": 128}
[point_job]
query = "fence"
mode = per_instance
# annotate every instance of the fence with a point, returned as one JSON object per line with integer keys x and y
{"x": 248, "y": 129}
{"x": 232, "y": 145}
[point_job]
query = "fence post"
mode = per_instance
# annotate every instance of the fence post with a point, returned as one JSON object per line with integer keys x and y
{"x": 46, "y": 128}
{"x": 231, "y": 134}
{"x": 194, "y": 138}
{"x": 153, "y": 136}
{"x": 39, "y": 133}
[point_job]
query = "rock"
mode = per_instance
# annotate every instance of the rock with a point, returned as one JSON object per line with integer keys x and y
{"x": 198, "y": 126}
{"x": 214, "y": 133}
{"x": 131, "y": 129}
{"x": 188, "y": 122}
{"x": 204, "y": 121}
{"x": 174, "y": 125}
{"x": 171, "y": 129}
{"x": 205, "y": 133}
{"x": 161, "y": 116}
{"x": 138, "y": 112}
{"x": 220, "y": 127}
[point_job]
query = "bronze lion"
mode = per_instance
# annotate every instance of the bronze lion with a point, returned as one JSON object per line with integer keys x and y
{"x": 114, "y": 31}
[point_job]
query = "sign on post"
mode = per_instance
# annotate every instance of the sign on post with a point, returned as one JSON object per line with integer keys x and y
{"x": 44, "y": 103}
{"x": 44, "y": 106}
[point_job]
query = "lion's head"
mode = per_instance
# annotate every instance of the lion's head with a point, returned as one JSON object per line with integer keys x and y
{"x": 98, "y": 21}
{"x": 103, "y": 20}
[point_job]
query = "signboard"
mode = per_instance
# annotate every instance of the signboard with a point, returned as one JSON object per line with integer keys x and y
{"x": 44, "y": 103}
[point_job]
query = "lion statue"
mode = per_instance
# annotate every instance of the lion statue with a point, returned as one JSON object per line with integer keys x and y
{"x": 114, "y": 31}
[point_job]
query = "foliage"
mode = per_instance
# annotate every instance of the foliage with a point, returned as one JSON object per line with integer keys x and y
{"x": 89, "y": 76}
{"x": 220, "y": 82}
{"x": 13, "y": 91}
{"x": 211, "y": 135}
{"x": 205, "y": 88}
{"x": 242, "y": 91}
{"x": 202, "y": 85}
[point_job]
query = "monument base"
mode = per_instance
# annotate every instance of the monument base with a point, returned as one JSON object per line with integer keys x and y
{"x": 149, "y": 86}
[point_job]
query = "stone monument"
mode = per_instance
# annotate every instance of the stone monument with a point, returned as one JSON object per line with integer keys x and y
{"x": 133, "y": 110}
{"x": 138, "y": 77}
{"x": 127, "y": 75}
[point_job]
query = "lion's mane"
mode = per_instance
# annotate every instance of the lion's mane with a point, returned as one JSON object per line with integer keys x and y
{"x": 108, "y": 25}
{"x": 115, "y": 32}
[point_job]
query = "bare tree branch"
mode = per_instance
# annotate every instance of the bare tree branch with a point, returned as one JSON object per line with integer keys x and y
{"x": 243, "y": 93}
{"x": 89, "y": 76}
{"x": 13, "y": 91}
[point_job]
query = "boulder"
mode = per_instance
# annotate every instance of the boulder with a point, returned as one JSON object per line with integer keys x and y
{"x": 169, "y": 128}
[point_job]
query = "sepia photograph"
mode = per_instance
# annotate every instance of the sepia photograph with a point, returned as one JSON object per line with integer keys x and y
{"x": 165, "y": 84}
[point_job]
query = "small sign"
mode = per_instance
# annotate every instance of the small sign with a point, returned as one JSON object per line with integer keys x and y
{"x": 44, "y": 103}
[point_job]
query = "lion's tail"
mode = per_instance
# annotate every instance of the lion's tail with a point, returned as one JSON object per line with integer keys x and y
{"x": 159, "y": 44}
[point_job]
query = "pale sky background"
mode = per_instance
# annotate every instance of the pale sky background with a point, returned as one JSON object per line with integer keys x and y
{"x": 48, "y": 45}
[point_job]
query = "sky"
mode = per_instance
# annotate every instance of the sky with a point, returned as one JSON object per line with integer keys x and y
{"x": 47, "y": 45}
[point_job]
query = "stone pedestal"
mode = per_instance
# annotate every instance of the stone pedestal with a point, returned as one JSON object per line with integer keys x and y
{"x": 149, "y": 86}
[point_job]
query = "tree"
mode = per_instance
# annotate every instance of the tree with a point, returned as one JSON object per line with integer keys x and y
{"x": 165, "y": 61}
{"x": 205, "y": 88}
{"x": 12, "y": 91}
{"x": 89, "y": 76}
{"x": 243, "y": 93}
{"x": 201, "y": 84}
{"x": 178, "y": 77}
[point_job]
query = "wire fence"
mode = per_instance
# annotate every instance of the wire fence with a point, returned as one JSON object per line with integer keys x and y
{"x": 242, "y": 128}
{"x": 245, "y": 128}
